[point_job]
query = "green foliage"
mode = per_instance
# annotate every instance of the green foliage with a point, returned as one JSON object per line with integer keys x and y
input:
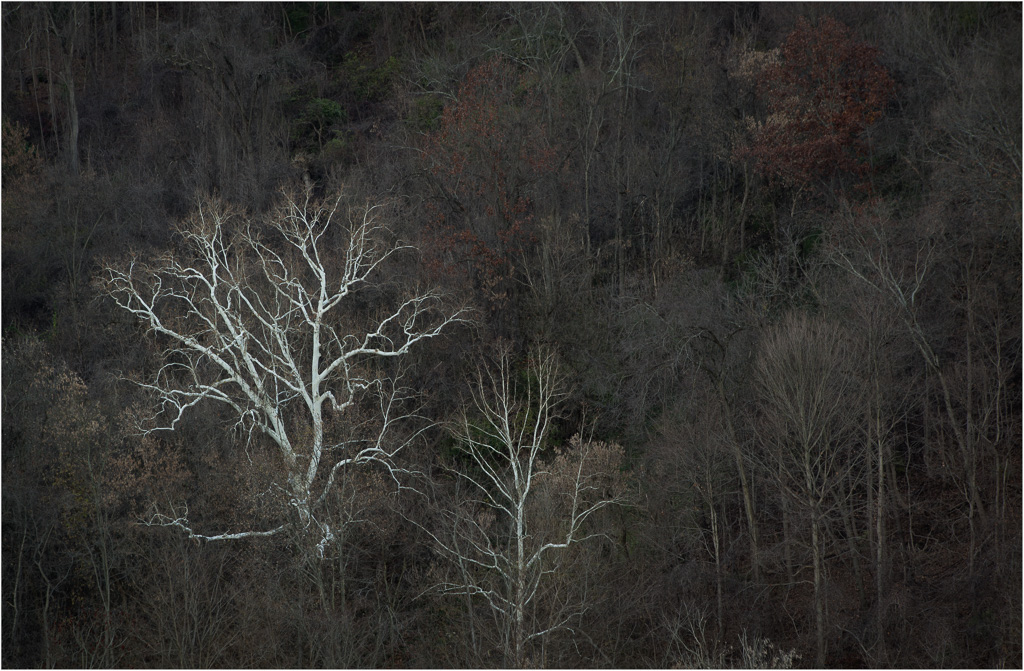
{"x": 370, "y": 84}
{"x": 324, "y": 112}
{"x": 964, "y": 17}
{"x": 338, "y": 147}
{"x": 898, "y": 181}
{"x": 301, "y": 16}
{"x": 316, "y": 120}
{"x": 425, "y": 114}
{"x": 810, "y": 242}
{"x": 297, "y": 15}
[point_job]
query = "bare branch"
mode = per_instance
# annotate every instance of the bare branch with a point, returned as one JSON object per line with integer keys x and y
{"x": 247, "y": 319}
{"x": 503, "y": 433}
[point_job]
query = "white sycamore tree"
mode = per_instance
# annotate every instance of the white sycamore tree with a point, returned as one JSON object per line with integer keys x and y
{"x": 251, "y": 317}
{"x": 523, "y": 513}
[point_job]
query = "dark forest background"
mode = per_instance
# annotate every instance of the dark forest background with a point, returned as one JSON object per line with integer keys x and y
{"x": 705, "y": 211}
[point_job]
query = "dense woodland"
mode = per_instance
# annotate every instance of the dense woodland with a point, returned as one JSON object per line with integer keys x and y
{"x": 511, "y": 335}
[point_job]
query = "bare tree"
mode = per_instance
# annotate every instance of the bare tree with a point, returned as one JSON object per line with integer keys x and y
{"x": 509, "y": 540}
{"x": 974, "y": 387}
{"x": 253, "y": 321}
{"x": 808, "y": 401}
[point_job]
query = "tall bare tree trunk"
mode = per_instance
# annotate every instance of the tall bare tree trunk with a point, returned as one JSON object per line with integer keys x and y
{"x": 50, "y": 95}
{"x": 519, "y": 593}
{"x": 748, "y": 496}
{"x": 72, "y": 137}
{"x": 819, "y": 605}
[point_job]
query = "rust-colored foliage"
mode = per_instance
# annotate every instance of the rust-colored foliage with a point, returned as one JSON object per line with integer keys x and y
{"x": 489, "y": 148}
{"x": 821, "y": 92}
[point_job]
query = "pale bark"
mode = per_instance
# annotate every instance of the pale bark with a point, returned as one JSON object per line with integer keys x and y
{"x": 503, "y": 435}
{"x": 249, "y": 324}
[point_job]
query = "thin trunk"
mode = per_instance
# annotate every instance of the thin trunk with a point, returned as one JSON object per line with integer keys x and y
{"x": 718, "y": 566}
{"x": 743, "y": 207}
{"x": 621, "y": 172}
{"x": 113, "y": 29}
{"x": 726, "y": 225}
{"x": 50, "y": 588}
{"x": 963, "y": 438}
{"x": 94, "y": 26}
{"x": 102, "y": 570}
{"x": 473, "y": 653}
{"x": 880, "y": 560}
{"x": 138, "y": 15}
{"x": 519, "y": 591}
{"x": 870, "y": 488}
{"x": 748, "y": 497}
{"x": 72, "y": 141}
{"x": 49, "y": 86}
{"x": 819, "y": 606}
{"x": 620, "y": 244}
{"x": 879, "y": 493}
{"x": 587, "y": 154}
{"x": 67, "y": 76}
{"x": 16, "y": 593}
{"x": 787, "y": 537}
{"x": 701, "y": 210}
{"x": 969, "y": 448}
{"x": 35, "y": 94}
{"x": 587, "y": 166}
{"x": 850, "y": 526}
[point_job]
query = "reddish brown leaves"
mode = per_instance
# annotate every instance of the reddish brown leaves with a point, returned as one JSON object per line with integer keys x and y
{"x": 488, "y": 150}
{"x": 821, "y": 93}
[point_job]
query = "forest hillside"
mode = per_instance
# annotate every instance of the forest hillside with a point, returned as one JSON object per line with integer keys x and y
{"x": 511, "y": 335}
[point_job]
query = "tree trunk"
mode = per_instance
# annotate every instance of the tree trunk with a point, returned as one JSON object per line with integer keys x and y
{"x": 748, "y": 497}
{"x": 718, "y": 565}
{"x": 72, "y": 136}
{"x": 34, "y": 68}
{"x": 850, "y": 527}
{"x": 787, "y": 539}
{"x": 620, "y": 243}
{"x": 880, "y": 561}
{"x": 50, "y": 95}
{"x": 819, "y": 606}
{"x": 519, "y": 592}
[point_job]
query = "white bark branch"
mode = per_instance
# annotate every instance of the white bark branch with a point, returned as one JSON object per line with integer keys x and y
{"x": 500, "y": 537}
{"x": 248, "y": 323}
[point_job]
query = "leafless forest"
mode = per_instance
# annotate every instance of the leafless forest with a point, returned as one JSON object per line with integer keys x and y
{"x": 511, "y": 335}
